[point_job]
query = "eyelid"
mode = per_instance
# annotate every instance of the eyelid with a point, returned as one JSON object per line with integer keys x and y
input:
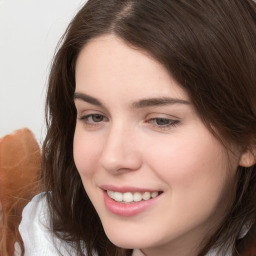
{"x": 152, "y": 119}
{"x": 85, "y": 117}
{"x": 172, "y": 121}
{"x": 160, "y": 115}
{"x": 82, "y": 106}
{"x": 86, "y": 111}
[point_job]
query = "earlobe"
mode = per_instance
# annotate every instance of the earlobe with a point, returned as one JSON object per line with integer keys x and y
{"x": 248, "y": 157}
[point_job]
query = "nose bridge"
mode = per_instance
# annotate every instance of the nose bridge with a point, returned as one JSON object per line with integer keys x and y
{"x": 120, "y": 151}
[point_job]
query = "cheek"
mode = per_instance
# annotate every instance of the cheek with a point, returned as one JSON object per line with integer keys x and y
{"x": 86, "y": 152}
{"x": 194, "y": 168}
{"x": 185, "y": 157}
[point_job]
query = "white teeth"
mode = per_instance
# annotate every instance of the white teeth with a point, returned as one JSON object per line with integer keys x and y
{"x": 154, "y": 194}
{"x": 137, "y": 197}
{"x": 129, "y": 197}
{"x": 146, "y": 196}
{"x": 111, "y": 193}
{"x": 118, "y": 196}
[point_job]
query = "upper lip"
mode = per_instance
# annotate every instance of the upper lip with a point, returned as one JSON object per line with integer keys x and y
{"x": 124, "y": 189}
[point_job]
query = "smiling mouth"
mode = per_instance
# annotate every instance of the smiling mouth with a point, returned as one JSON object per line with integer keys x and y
{"x": 129, "y": 197}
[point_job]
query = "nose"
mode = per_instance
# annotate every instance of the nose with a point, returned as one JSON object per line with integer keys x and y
{"x": 120, "y": 152}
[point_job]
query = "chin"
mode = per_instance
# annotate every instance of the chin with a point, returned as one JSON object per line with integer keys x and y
{"x": 129, "y": 241}
{"x": 128, "y": 244}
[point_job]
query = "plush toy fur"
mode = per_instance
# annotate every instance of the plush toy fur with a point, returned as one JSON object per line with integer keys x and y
{"x": 20, "y": 162}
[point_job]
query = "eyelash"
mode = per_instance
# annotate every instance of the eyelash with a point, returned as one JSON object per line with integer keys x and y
{"x": 86, "y": 121}
{"x": 168, "y": 123}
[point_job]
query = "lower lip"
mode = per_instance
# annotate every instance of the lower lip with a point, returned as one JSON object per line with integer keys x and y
{"x": 127, "y": 210}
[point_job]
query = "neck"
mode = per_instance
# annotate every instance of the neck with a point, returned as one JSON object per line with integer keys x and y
{"x": 188, "y": 245}
{"x": 167, "y": 251}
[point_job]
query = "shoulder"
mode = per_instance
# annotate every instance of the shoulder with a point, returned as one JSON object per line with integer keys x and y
{"x": 35, "y": 219}
{"x": 35, "y": 230}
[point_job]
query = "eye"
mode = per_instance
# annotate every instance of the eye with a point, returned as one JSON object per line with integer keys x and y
{"x": 93, "y": 119}
{"x": 96, "y": 118}
{"x": 163, "y": 123}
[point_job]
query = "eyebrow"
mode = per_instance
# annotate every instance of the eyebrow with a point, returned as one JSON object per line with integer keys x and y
{"x": 158, "y": 102}
{"x": 138, "y": 104}
{"x": 87, "y": 98}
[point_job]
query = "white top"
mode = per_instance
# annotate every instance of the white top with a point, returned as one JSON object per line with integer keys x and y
{"x": 34, "y": 230}
{"x": 38, "y": 240}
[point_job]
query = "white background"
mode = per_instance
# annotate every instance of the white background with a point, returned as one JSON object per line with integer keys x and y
{"x": 29, "y": 33}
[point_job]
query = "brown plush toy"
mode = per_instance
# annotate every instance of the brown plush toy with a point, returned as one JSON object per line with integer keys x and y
{"x": 20, "y": 162}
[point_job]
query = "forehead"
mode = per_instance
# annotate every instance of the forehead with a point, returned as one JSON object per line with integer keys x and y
{"x": 108, "y": 65}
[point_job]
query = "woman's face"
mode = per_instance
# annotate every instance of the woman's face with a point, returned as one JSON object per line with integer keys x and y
{"x": 157, "y": 177}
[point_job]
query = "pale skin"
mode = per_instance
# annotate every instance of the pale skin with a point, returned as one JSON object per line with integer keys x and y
{"x": 136, "y": 127}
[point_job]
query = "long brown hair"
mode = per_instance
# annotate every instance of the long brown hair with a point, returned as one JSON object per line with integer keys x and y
{"x": 209, "y": 48}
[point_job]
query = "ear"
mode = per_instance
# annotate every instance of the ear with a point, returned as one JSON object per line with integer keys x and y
{"x": 248, "y": 157}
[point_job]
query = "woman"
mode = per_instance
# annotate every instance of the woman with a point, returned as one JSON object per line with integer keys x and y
{"x": 151, "y": 117}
